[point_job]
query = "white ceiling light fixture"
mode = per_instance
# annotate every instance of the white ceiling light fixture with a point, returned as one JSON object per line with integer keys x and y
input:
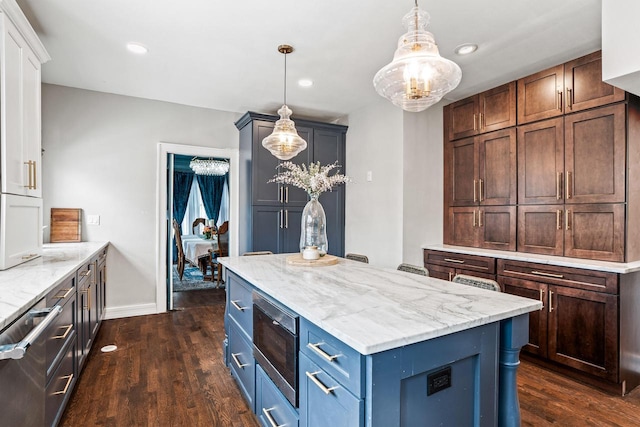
{"x": 418, "y": 76}
{"x": 209, "y": 166}
{"x": 305, "y": 82}
{"x": 466, "y": 48}
{"x": 137, "y": 48}
{"x": 284, "y": 143}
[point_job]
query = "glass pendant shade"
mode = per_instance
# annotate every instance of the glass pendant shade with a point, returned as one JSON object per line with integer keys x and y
{"x": 284, "y": 143}
{"x": 418, "y": 76}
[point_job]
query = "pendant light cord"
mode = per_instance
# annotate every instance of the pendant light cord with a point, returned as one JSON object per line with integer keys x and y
{"x": 285, "y": 78}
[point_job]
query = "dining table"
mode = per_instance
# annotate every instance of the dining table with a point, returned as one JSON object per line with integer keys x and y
{"x": 196, "y": 248}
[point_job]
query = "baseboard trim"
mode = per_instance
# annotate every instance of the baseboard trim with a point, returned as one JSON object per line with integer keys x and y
{"x": 129, "y": 311}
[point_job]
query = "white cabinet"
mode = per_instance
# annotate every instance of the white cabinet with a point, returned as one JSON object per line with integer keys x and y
{"x": 20, "y": 121}
{"x": 20, "y": 228}
{"x": 21, "y": 56}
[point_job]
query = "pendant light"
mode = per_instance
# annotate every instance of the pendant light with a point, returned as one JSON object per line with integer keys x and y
{"x": 284, "y": 142}
{"x": 418, "y": 76}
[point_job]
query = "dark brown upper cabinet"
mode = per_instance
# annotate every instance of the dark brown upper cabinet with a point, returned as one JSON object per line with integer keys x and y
{"x": 584, "y": 87}
{"x": 482, "y": 170}
{"x": 491, "y": 110}
{"x": 567, "y": 88}
{"x": 541, "y": 162}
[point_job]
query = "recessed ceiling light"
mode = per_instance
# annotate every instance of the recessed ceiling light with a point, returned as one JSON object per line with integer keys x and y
{"x": 467, "y": 48}
{"x": 137, "y": 48}
{"x": 305, "y": 82}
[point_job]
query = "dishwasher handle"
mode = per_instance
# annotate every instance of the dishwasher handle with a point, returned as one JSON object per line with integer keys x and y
{"x": 18, "y": 350}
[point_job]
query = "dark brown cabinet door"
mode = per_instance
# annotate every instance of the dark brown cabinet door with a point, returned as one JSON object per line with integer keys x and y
{"x": 541, "y": 162}
{"x": 497, "y": 108}
{"x": 440, "y": 272}
{"x": 463, "y": 225}
{"x": 497, "y": 168}
{"x": 537, "y": 319}
{"x": 540, "y": 229}
{"x": 595, "y": 231}
{"x": 583, "y": 330}
{"x": 595, "y": 146}
{"x": 540, "y": 95}
{"x": 584, "y": 87}
{"x": 497, "y": 228}
{"x": 461, "y": 167}
{"x": 463, "y": 118}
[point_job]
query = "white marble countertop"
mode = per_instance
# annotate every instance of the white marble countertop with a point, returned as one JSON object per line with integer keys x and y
{"x": 25, "y": 284}
{"x": 373, "y": 309}
{"x": 587, "y": 264}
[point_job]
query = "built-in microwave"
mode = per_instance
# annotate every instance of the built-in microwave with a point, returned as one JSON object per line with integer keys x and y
{"x": 275, "y": 344}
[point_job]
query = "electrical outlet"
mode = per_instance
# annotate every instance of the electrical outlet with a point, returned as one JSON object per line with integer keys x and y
{"x": 369, "y": 176}
{"x": 93, "y": 219}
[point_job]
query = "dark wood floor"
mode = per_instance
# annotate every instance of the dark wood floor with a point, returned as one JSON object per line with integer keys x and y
{"x": 168, "y": 371}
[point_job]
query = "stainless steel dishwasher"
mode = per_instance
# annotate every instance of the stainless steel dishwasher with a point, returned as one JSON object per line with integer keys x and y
{"x": 22, "y": 367}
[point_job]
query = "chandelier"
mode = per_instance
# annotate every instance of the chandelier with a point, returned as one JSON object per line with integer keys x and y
{"x": 209, "y": 167}
{"x": 284, "y": 143}
{"x": 418, "y": 76}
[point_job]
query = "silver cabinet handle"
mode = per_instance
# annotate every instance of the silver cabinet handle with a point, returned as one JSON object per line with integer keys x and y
{"x": 18, "y": 350}
{"x": 281, "y": 216}
{"x": 286, "y": 218}
{"x": 235, "y": 359}
{"x": 321, "y": 352}
{"x": 272, "y": 422}
{"x": 237, "y": 306}
{"x": 286, "y": 194}
{"x": 457, "y": 261}
{"x": 324, "y": 388}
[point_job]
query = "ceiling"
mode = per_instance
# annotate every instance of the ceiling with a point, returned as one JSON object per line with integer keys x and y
{"x": 223, "y": 54}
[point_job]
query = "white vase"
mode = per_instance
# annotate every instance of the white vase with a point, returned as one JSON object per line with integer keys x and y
{"x": 313, "y": 230}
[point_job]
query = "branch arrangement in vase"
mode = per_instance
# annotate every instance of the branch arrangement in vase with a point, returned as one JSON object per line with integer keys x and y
{"x": 314, "y": 179}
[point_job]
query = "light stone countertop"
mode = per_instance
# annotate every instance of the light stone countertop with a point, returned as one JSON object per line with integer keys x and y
{"x": 587, "y": 264}
{"x": 373, "y": 309}
{"x": 25, "y": 284}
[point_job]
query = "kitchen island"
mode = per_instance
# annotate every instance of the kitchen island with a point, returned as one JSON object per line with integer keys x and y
{"x": 379, "y": 347}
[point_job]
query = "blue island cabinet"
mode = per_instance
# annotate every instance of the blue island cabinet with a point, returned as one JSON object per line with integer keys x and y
{"x": 449, "y": 381}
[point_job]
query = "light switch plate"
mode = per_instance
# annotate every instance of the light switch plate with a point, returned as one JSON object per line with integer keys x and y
{"x": 93, "y": 219}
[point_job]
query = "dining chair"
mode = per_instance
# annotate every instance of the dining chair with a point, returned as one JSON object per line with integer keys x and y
{"x": 222, "y": 251}
{"x": 478, "y": 282}
{"x": 357, "y": 257}
{"x": 415, "y": 269}
{"x": 196, "y": 223}
{"x": 181, "y": 257}
{"x": 257, "y": 253}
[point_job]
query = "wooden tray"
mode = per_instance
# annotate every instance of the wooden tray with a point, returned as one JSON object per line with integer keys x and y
{"x": 323, "y": 261}
{"x": 65, "y": 225}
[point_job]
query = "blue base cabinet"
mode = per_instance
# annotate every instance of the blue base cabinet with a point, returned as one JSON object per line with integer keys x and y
{"x": 272, "y": 408}
{"x": 324, "y": 401}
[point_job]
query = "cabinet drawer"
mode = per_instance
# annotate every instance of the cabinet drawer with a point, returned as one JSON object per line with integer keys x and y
{"x": 84, "y": 275}
{"x": 564, "y": 276}
{"x": 461, "y": 261}
{"x": 240, "y": 306}
{"x": 60, "y": 387}
{"x": 339, "y": 360}
{"x": 324, "y": 401}
{"x": 62, "y": 293}
{"x": 242, "y": 363}
{"x": 272, "y": 408}
{"x": 59, "y": 333}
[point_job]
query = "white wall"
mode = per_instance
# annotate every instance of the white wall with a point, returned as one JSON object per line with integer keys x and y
{"x": 100, "y": 155}
{"x": 422, "y": 182}
{"x": 373, "y": 223}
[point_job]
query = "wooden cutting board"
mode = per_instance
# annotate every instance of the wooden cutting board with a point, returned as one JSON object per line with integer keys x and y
{"x": 66, "y": 225}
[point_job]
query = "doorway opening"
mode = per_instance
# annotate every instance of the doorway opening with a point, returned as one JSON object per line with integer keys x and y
{"x": 176, "y": 157}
